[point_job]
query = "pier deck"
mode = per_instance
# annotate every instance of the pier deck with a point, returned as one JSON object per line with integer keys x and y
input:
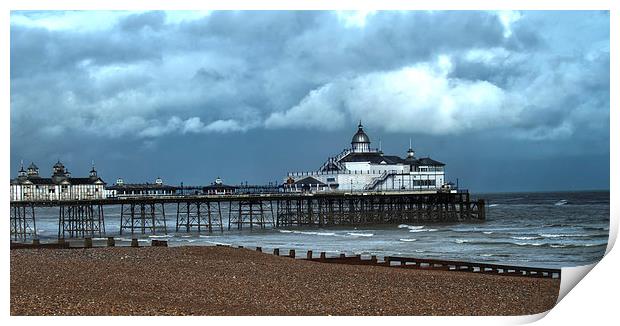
{"x": 210, "y": 213}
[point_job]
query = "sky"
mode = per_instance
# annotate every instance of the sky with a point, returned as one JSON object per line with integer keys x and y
{"x": 510, "y": 101}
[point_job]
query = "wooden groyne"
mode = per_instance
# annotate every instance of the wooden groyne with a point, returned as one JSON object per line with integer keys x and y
{"x": 214, "y": 213}
{"x": 342, "y": 258}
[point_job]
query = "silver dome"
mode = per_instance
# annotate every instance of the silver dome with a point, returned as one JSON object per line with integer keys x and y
{"x": 360, "y": 136}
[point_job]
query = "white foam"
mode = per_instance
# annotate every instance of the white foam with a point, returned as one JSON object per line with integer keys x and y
{"x": 546, "y": 235}
{"x": 308, "y": 232}
{"x": 361, "y": 234}
{"x": 461, "y": 241}
{"x": 493, "y": 205}
{"x": 487, "y": 232}
{"x": 525, "y": 238}
{"x": 528, "y": 244}
{"x": 423, "y": 230}
{"x": 219, "y": 243}
{"x": 561, "y": 202}
{"x": 408, "y": 240}
{"x": 410, "y": 227}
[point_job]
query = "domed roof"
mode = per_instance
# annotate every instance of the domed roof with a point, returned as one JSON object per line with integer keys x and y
{"x": 360, "y": 136}
{"x": 59, "y": 165}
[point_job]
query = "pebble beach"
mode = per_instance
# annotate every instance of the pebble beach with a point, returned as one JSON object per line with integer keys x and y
{"x": 229, "y": 281}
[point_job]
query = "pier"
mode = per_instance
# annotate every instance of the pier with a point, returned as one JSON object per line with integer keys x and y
{"x": 215, "y": 213}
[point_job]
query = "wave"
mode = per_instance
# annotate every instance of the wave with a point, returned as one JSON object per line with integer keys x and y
{"x": 161, "y": 236}
{"x": 493, "y": 205}
{"x": 548, "y": 235}
{"x": 219, "y": 243}
{"x": 408, "y": 240}
{"x": 495, "y": 255}
{"x": 487, "y": 232}
{"x": 360, "y": 234}
{"x": 308, "y": 232}
{"x": 529, "y": 244}
{"x": 423, "y": 230}
{"x": 410, "y": 227}
{"x": 561, "y": 202}
{"x": 527, "y": 238}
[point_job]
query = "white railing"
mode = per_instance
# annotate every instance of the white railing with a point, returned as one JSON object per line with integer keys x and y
{"x": 336, "y": 160}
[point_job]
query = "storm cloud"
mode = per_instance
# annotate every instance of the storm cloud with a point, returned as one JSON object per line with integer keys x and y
{"x": 143, "y": 76}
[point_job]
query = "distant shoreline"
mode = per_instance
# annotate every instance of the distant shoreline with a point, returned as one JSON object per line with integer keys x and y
{"x": 228, "y": 281}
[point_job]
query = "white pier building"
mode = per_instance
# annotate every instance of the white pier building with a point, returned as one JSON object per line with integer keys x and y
{"x": 362, "y": 168}
{"x": 30, "y": 186}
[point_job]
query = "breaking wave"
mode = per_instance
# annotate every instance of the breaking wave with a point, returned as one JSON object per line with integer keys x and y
{"x": 308, "y": 232}
{"x": 410, "y": 227}
{"x": 360, "y": 234}
{"x": 561, "y": 202}
{"x": 423, "y": 230}
{"x": 527, "y": 238}
{"x": 408, "y": 240}
{"x": 530, "y": 244}
{"x": 547, "y": 235}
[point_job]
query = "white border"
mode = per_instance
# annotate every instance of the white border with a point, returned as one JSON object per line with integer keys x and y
{"x": 592, "y": 300}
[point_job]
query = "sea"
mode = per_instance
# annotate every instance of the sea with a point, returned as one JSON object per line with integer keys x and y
{"x": 536, "y": 229}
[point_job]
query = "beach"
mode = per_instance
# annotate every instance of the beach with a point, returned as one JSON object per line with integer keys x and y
{"x": 200, "y": 280}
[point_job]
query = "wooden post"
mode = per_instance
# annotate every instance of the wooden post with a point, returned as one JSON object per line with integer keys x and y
{"x": 88, "y": 242}
{"x": 291, "y": 253}
{"x": 323, "y": 255}
{"x": 276, "y": 252}
{"x": 259, "y": 249}
{"x": 373, "y": 259}
{"x": 309, "y": 254}
{"x": 134, "y": 242}
{"x": 342, "y": 255}
{"x": 111, "y": 242}
{"x": 36, "y": 242}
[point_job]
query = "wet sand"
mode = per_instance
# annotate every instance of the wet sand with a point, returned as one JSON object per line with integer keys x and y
{"x": 228, "y": 281}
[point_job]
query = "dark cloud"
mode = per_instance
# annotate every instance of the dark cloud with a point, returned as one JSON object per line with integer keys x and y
{"x": 142, "y": 78}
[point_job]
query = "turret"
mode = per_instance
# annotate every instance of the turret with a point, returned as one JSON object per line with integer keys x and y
{"x": 33, "y": 170}
{"x": 93, "y": 172}
{"x": 410, "y": 151}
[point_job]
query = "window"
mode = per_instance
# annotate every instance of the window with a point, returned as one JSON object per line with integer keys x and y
{"x": 331, "y": 179}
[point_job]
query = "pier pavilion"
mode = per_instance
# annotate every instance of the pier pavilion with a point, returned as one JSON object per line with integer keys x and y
{"x": 362, "y": 168}
{"x": 29, "y": 185}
